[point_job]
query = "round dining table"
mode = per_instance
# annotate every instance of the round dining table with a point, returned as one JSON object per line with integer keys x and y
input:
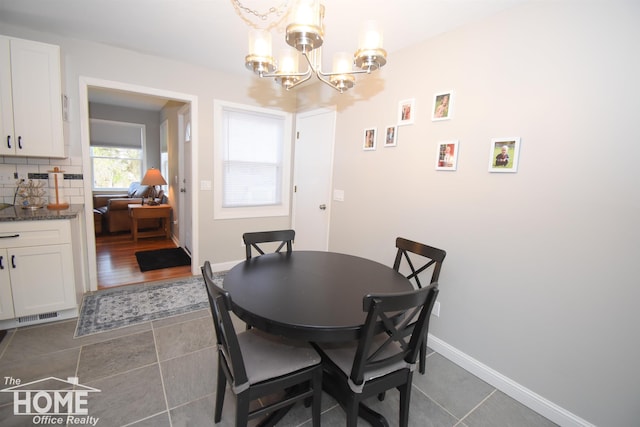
{"x": 312, "y": 296}
{"x": 309, "y": 295}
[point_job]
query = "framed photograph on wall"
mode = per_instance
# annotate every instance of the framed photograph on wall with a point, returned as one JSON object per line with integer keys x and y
{"x": 369, "y": 142}
{"x": 442, "y": 106}
{"x": 504, "y": 153}
{"x": 447, "y": 156}
{"x": 390, "y": 136}
{"x": 406, "y": 112}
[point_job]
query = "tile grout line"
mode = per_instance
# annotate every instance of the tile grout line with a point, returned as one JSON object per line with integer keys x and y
{"x": 164, "y": 387}
{"x": 477, "y": 406}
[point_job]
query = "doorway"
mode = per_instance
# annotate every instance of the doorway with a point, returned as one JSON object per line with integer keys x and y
{"x": 126, "y": 94}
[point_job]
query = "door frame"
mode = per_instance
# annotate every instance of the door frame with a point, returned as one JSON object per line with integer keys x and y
{"x": 91, "y": 275}
{"x": 185, "y": 237}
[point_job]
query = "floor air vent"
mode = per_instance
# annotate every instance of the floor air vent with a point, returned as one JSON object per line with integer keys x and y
{"x": 35, "y": 317}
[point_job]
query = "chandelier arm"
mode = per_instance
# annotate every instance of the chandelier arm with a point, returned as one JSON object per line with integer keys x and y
{"x": 352, "y": 72}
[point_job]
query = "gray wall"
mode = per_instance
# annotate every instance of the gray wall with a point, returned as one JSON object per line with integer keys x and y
{"x": 541, "y": 280}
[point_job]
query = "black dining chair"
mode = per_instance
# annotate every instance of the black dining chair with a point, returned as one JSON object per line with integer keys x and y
{"x": 378, "y": 362}
{"x": 430, "y": 258}
{"x": 253, "y": 239}
{"x": 257, "y": 364}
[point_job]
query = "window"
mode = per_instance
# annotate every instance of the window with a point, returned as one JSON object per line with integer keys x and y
{"x": 253, "y": 150}
{"x": 116, "y": 154}
{"x": 115, "y": 167}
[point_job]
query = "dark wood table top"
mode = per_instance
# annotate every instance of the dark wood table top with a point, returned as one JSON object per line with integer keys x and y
{"x": 310, "y": 295}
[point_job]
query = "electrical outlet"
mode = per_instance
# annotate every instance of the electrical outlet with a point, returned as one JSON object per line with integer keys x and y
{"x": 436, "y": 309}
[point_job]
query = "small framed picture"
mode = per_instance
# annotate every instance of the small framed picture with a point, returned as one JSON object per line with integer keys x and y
{"x": 369, "y": 139}
{"x": 406, "y": 112}
{"x": 447, "y": 156}
{"x": 390, "y": 136}
{"x": 503, "y": 156}
{"x": 442, "y": 106}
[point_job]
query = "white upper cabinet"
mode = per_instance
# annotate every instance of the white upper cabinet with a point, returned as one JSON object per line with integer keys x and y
{"x": 30, "y": 99}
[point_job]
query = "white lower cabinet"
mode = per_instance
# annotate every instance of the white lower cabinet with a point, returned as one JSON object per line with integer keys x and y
{"x": 36, "y": 269}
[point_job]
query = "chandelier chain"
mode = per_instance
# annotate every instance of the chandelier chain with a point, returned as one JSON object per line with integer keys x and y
{"x": 277, "y": 11}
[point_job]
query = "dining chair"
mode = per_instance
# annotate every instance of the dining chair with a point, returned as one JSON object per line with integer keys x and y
{"x": 434, "y": 258}
{"x": 256, "y": 364}
{"x": 252, "y": 239}
{"x": 378, "y": 362}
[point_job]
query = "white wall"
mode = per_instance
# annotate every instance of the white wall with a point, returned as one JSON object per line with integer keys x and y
{"x": 541, "y": 281}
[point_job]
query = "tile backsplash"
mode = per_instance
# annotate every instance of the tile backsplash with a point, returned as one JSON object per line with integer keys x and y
{"x": 12, "y": 169}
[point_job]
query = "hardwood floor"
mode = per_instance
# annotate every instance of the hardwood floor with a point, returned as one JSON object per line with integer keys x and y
{"x": 117, "y": 264}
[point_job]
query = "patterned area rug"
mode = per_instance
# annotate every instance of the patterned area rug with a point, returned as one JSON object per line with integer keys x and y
{"x": 130, "y": 305}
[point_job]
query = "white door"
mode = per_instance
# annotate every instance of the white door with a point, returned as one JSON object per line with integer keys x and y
{"x": 184, "y": 173}
{"x": 313, "y": 170}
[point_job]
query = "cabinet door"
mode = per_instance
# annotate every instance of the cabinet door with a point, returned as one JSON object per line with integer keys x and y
{"x": 6, "y": 100}
{"x": 6, "y": 298}
{"x": 41, "y": 279}
{"x": 37, "y": 104}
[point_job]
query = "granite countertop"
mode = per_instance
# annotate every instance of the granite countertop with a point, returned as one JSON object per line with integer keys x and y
{"x": 16, "y": 213}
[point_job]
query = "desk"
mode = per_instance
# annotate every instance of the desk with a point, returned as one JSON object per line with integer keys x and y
{"x": 309, "y": 295}
{"x": 137, "y": 212}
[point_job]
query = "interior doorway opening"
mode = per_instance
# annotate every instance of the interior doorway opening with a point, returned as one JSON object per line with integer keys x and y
{"x": 166, "y": 103}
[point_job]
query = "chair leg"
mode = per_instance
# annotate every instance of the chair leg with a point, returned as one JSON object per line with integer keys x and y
{"x": 220, "y": 389}
{"x": 316, "y": 408}
{"x": 351, "y": 408}
{"x": 242, "y": 409}
{"x": 405, "y": 401}
{"x": 423, "y": 357}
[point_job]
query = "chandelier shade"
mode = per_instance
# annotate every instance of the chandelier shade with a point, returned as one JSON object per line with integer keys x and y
{"x": 305, "y": 34}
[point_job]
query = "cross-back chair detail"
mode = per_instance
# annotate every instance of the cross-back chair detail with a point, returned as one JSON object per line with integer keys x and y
{"x": 256, "y": 364}
{"x": 253, "y": 239}
{"x": 380, "y": 361}
{"x": 434, "y": 258}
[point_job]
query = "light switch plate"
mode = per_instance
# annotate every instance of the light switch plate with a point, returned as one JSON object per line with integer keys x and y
{"x": 205, "y": 185}
{"x": 338, "y": 195}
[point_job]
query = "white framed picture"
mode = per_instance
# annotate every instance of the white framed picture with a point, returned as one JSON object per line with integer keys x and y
{"x": 442, "y": 106}
{"x": 406, "y": 112}
{"x": 447, "y": 158}
{"x": 390, "y": 136}
{"x": 503, "y": 155}
{"x": 369, "y": 142}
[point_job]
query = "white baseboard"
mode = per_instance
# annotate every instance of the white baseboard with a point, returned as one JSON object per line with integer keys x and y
{"x": 506, "y": 385}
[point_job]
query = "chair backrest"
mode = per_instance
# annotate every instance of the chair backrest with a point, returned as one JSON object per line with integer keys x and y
{"x": 228, "y": 346}
{"x": 401, "y": 344}
{"x": 435, "y": 258}
{"x": 252, "y": 239}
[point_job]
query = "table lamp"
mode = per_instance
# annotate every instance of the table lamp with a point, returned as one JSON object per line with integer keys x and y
{"x": 153, "y": 178}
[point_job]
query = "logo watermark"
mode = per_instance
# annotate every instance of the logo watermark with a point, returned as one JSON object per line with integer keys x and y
{"x": 51, "y": 401}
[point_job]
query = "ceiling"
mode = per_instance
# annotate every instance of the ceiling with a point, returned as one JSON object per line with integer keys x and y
{"x": 213, "y": 33}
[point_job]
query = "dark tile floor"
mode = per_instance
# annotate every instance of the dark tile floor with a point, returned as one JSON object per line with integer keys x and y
{"x": 163, "y": 374}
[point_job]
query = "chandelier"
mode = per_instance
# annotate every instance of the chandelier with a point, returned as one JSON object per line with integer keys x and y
{"x": 305, "y": 35}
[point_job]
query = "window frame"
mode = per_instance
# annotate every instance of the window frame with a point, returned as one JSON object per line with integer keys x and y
{"x": 118, "y": 130}
{"x": 282, "y": 209}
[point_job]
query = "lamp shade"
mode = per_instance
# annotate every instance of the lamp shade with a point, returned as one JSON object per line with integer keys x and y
{"x": 153, "y": 177}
